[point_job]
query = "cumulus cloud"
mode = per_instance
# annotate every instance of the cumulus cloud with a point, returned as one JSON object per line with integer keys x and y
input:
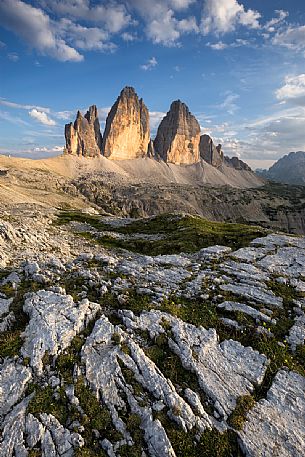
{"x": 41, "y": 117}
{"x": 85, "y": 38}
{"x": 36, "y": 29}
{"x": 162, "y": 25}
{"x": 112, "y": 16}
{"x": 223, "y": 16}
{"x": 150, "y": 64}
{"x": 293, "y": 90}
{"x": 291, "y": 38}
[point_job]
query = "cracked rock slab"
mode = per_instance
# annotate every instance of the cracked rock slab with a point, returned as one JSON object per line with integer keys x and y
{"x": 275, "y": 427}
{"x": 234, "y": 306}
{"x": 13, "y": 380}
{"x": 54, "y": 321}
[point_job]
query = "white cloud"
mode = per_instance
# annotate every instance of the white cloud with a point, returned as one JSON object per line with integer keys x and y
{"x": 155, "y": 119}
{"x": 293, "y": 90}
{"x": 127, "y": 36}
{"x": 112, "y": 15}
{"x": 220, "y": 45}
{"x": 2, "y": 45}
{"x": 41, "y": 117}
{"x": 222, "y": 16}
{"x": 85, "y": 38}
{"x": 229, "y": 104}
{"x": 150, "y": 64}
{"x": 271, "y": 25}
{"x": 36, "y": 29}
{"x": 162, "y": 26}
{"x": 9, "y": 104}
{"x": 13, "y": 56}
{"x": 291, "y": 38}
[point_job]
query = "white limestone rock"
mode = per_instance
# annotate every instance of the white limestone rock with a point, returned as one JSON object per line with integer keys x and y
{"x": 5, "y": 305}
{"x": 275, "y": 426}
{"x": 254, "y": 293}
{"x": 296, "y": 335}
{"x": 12, "y": 441}
{"x": 234, "y": 306}
{"x": 287, "y": 261}
{"x": 225, "y": 371}
{"x": 13, "y": 380}
{"x": 54, "y": 321}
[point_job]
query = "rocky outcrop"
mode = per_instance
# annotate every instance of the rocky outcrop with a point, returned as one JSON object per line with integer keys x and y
{"x": 83, "y": 138}
{"x": 209, "y": 152}
{"x": 236, "y": 163}
{"x": 127, "y": 132}
{"x": 178, "y": 136}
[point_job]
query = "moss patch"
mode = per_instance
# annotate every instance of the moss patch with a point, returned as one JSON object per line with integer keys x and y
{"x": 243, "y": 406}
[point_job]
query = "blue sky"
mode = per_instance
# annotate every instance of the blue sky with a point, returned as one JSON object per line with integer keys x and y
{"x": 239, "y": 65}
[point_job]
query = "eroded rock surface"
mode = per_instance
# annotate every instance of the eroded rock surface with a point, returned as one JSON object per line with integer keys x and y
{"x": 120, "y": 353}
{"x": 275, "y": 425}
{"x": 83, "y": 138}
{"x": 127, "y": 131}
{"x": 178, "y": 136}
{"x": 54, "y": 320}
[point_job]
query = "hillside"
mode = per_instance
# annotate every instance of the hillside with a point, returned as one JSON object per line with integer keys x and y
{"x": 290, "y": 169}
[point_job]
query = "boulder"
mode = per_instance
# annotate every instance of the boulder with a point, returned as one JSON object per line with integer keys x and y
{"x": 127, "y": 132}
{"x": 83, "y": 138}
{"x": 178, "y": 136}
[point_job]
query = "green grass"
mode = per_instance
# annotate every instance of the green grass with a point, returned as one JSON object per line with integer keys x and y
{"x": 11, "y": 340}
{"x": 179, "y": 233}
{"x": 211, "y": 444}
{"x": 243, "y": 406}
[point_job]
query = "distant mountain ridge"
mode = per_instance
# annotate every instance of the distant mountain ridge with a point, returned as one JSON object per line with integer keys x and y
{"x": 290, "y": 169}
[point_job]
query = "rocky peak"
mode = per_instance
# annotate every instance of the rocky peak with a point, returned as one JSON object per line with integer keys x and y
{"x": 178, "y": 136}
{"x": 209, "y": 152}
{"x": 237, "y": 163}
{"x": 83, "y": 138}
{"x": 127, "y": 132}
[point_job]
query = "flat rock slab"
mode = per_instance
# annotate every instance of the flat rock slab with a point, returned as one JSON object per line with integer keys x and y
{"x": 275, "y": 427}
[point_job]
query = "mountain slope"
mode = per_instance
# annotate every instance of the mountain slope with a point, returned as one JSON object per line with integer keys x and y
{"x": 290, "y": 169}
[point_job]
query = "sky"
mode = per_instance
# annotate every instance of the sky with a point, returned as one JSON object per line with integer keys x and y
{"x": 238, "y": 65}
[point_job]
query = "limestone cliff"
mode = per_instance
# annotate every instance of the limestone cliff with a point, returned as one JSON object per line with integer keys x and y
{"x": 83, "y": 138}
{"x": 209, "y": 152}
{"x": 127, "y": 132}
{"x": 178, "y": 136}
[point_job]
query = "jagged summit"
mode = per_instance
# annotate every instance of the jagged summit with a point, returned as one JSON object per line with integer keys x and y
{"x": 127, "y": 131}
{"x": 127, "y": 135}
{"x": 83, "y": 138}
{"x": 178, "y": 136}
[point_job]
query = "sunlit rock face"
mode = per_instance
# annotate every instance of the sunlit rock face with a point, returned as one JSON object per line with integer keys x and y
{"x": 178, "y": 136}
{"x": 83, "y": 138}
{"x": 127, "y": 132}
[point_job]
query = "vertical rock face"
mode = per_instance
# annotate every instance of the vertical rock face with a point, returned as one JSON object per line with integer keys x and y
{"x": 178, "y": 136}
{"x": 83, "y": 138}
{"x": 209, "y": 152}
{"x": 127, "y": 132}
